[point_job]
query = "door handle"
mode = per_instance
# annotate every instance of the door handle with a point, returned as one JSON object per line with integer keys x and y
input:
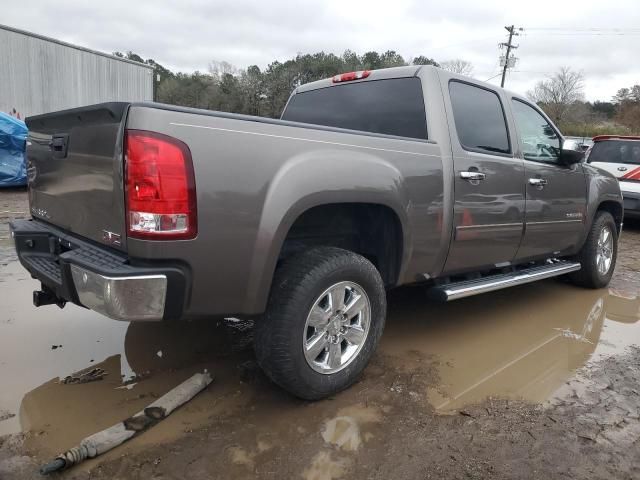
{"x": 538, "y": 182}
{"x": 472, "y": 176}
{"x": 59, "y": 144}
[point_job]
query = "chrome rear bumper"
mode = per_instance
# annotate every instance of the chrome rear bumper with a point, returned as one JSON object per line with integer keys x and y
{"x": 108, "y": 282}
{"x": 121, "y": 298}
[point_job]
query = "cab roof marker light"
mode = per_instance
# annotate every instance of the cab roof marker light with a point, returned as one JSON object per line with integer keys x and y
{"x": 349, "y": 76}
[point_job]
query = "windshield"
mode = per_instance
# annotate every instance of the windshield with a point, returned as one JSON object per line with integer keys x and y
{"x": 616, "y": 151}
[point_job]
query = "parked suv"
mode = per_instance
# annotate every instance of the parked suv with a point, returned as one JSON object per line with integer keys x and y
{"x": 620, "y": 156}
{"x": 370, "y": 180}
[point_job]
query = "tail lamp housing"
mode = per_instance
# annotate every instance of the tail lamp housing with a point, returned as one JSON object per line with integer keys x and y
{"x": 160, "y": 187}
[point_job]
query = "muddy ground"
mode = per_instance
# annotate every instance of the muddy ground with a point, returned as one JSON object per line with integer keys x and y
{"x": 538, "y": 381}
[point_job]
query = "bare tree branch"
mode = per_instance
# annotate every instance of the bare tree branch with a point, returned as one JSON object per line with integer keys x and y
{"x": 559, "y": 92}
{"x": 459, "y": 66}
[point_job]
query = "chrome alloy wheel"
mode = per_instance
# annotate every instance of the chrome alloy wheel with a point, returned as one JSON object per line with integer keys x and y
{"x": 604, "y": 250}
{"x": 337, "y": 327}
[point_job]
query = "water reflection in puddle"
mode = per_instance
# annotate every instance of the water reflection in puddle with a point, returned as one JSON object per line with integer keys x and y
{"x": 41, "y": 345}
{"x": 524, "y": 342}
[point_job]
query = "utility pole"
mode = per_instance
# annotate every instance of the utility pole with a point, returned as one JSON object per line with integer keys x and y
{"x": 509, "y": 45}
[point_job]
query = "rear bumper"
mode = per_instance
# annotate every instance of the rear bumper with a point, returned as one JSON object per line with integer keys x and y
{"x": 74, "y": 270}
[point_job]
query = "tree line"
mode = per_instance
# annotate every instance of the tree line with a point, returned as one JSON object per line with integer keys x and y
{"x": 264, "y": 92}
{"x": 561, "y": 96}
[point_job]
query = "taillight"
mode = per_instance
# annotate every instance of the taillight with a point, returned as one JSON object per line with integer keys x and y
{"x": 160, "y": 187}
{"x": 346, "y": 77}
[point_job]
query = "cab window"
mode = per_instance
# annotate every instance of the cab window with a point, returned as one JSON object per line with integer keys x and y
{"x": 479, "y": 118}
{"x": 391, "y": 107}
{"x": 539, "y": 140}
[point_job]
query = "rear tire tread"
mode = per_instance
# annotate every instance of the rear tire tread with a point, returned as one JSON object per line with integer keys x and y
{"x": 296, "y": 281}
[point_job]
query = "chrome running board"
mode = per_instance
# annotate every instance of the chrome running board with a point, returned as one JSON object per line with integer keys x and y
{"x": 467, "y": 288}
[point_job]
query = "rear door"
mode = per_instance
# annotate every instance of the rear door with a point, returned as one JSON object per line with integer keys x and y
{"x": 488, "y": 182}
{"x": 75, "y": 171}
{"x": 556, "y": 198}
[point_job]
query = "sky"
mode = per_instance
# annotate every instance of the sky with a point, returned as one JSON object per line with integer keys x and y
{"x": 599, "y": 39}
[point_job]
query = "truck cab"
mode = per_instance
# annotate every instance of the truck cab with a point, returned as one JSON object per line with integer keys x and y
{"x": 517, "y": 194}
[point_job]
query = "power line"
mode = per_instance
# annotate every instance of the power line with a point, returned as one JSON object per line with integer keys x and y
{"x": 477, "y": 40}
{"x": 591, "y": 29}
{"x": 579, "y": 31}
{"x": 588, "y": 34}
{"x": 531, "y": 71}
{"x": 496, "y": 75}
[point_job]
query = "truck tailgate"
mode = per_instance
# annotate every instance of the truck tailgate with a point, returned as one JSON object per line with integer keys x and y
{"x": 75, "y": 171}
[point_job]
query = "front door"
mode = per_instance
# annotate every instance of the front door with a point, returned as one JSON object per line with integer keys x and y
{"x": 489, "y": 181}
{"x": 556, "y": 199}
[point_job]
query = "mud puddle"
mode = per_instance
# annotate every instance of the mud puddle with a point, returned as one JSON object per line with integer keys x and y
{"x": 135, "y": 362}
{"x": 522, "y": 343}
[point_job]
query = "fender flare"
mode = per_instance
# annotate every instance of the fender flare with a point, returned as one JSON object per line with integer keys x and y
{"x": 305, "y": 182}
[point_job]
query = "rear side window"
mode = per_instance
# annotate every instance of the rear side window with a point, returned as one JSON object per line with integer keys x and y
{"x": 616, "y": 151}
{"x": 479, "y": 118}
{"x": 391, "y": 107}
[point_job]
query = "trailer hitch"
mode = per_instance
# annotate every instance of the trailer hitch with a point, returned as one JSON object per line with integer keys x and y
{"x": 47, "y": 297}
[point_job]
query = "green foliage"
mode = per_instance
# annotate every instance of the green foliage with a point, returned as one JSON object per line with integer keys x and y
{"x": 627, "y": 108}
{"x": 422, "y": 60}
{"x": 591, "y": 130}
{"x": 561, "y": 97}
{"x": 260, "y": 92}
{"x": 265, "y": 92}
{"x": 607, "y": 109}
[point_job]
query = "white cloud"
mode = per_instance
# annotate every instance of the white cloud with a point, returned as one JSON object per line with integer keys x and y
{"x": 187, "y": 35}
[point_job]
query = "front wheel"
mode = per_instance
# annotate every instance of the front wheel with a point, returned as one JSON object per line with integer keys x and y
{"x": 598, "y": 254}
{"x": 325, "y": 317}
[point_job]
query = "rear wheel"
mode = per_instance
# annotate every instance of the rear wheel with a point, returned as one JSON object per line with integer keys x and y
{"x": 598, "y": 254}
{"x": 325, "y": 317}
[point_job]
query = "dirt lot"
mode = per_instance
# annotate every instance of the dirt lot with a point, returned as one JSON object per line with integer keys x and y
{"x": 539, "y": 381}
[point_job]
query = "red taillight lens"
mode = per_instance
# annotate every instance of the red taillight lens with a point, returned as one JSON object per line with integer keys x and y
{"x": 347, "y": 77}
{"x": 160, "y": 187}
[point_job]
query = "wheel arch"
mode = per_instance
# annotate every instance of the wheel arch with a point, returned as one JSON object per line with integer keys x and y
{"x": 276, "y": 246}
{"x": 373, "y": 230}
{"x": 615, "y": 209}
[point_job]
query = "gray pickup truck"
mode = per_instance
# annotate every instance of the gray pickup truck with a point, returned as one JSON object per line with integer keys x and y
{"x": 370, "y": 180}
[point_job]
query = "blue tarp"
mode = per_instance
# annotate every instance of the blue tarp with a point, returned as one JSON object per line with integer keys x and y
{"x": 13, "y": 138}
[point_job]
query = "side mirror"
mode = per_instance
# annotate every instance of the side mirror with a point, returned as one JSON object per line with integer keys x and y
{"x": 571, "y": 152}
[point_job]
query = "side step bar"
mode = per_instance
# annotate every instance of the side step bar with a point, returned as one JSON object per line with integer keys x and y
{"x": 467, "y": 288}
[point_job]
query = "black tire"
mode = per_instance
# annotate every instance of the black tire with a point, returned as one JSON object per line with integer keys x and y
{"x": 589, "y": 276}
{"x": 279, "y": 334}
